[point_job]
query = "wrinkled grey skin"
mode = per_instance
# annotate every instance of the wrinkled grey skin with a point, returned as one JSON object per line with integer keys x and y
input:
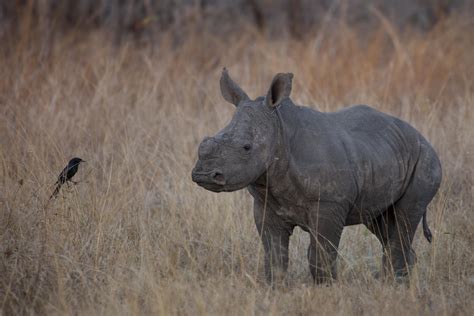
{"x": 321, "y": 172}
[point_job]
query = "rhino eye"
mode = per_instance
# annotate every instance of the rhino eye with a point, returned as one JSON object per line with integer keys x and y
{"x": 247, "y": 147}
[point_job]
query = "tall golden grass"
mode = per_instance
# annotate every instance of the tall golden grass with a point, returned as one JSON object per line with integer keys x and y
{"x": 136, "y": 236}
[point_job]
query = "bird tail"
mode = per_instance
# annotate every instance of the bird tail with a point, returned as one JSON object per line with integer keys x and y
{"x": 56, "y": 191}
{"x": 426, "y": 229}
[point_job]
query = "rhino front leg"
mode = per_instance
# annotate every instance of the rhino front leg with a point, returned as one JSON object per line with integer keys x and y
{"x": 275, "y": 235}
{"x": 275, "y": 244}
{"x": 325, "y": 231}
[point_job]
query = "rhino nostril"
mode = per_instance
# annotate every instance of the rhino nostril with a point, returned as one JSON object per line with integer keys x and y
{"x": 218, "y": 177}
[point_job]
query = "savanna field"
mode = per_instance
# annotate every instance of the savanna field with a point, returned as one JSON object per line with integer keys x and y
{"x": 137, "y": 236}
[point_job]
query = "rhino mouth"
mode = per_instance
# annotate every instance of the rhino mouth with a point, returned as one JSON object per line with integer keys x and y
{"x": 208, "y": 181}
{"x": 211, "y": 186}
{"x": 220, "y": 188}
{"x": 213, "y": 181}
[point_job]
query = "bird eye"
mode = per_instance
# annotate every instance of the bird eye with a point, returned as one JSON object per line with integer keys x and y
{"x": 247, "y": 147}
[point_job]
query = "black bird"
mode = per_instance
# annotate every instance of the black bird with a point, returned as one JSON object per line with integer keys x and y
{"x": 68, "y": 172}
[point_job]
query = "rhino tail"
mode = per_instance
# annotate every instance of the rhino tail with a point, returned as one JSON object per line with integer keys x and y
{"x": 426, "y": 229}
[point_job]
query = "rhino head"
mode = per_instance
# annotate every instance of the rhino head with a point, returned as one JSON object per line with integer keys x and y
{"x": 241, "y": 152}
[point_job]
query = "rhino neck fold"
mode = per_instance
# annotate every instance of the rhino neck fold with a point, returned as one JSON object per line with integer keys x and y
{"x": 279, "y": 161}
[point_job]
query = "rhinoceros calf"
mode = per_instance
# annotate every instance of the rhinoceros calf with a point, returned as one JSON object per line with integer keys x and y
{"x": 321, "y": 172}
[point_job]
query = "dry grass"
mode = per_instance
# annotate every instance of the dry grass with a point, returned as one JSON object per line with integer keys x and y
{"x": 137, "y": 236}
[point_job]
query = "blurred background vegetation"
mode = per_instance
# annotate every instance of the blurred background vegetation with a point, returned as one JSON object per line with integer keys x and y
{"x": 147, "y": 20}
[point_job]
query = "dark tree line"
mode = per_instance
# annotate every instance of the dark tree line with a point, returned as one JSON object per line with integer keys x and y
{"x": 137, "y": 18}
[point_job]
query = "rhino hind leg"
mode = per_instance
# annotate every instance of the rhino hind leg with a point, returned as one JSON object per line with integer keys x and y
{"x": 395, "y": 228}
{"x": 400, "y": 256}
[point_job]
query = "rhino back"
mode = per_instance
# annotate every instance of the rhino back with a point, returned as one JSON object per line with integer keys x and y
{"x": 383, "y": 151}
{"x": 358, "y": 157}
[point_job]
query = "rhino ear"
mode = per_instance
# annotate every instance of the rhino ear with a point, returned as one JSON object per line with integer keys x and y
{"x": 279, "y": 89}
{"x": 231, "y": 91}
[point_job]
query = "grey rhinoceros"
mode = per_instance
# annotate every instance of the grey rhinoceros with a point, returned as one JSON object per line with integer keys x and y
{"x": 321, "y": 172}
